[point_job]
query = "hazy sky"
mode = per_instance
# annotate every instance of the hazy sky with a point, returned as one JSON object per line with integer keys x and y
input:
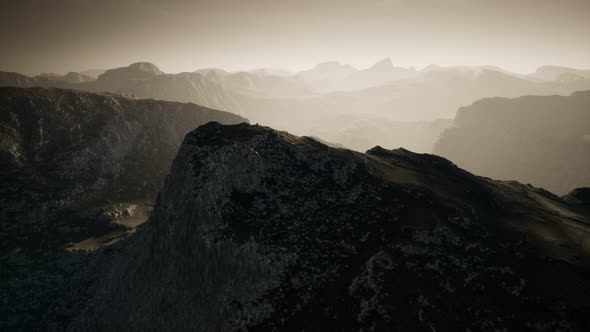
{"x": 182, "y": 35}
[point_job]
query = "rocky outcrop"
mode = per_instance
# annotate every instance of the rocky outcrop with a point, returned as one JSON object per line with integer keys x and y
{"x": 579, "y": 197}
{"x": 77, "y": 167}
{"x": 68, "y": 146}
{"x": 261, "y": 230}
{"x": 542, "y": 140}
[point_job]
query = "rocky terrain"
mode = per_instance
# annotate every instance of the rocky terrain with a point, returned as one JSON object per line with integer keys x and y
{"x": 542, "y": 140}
{"x": 579, "y": 197}
{"x": 79, "y": 171}
{"x": 141, "y": 80}
{"x": 257, "y": 229}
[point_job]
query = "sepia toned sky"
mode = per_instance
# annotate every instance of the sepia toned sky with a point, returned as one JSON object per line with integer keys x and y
{"x": 183, "y": 35}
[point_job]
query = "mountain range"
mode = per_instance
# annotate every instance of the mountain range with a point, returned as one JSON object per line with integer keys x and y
{"x": 333, "y": 76}
{"x": 309, "y": 101}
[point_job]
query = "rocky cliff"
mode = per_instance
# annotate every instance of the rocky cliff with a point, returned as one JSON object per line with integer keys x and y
{"x": 261, "y": 230}
{"x": 78, "y": 170}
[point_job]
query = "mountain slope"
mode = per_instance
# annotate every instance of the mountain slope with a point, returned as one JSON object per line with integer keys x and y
{"x": 79, "y": 170}
{"x": 69, "y": 78}
{"x": 136, "y": 71}
{"x": 380, "y": 73}
{"x": 543, "y": 140}
{"x": 260, "y": 230}
{"x": 262, "y": 85}
{"x": 327, "y": 71}
{"x": 141, "y": 80}
{"x": 15, "y": 79}
{"x": 550, "y": 73}
{"x": 183, "y": 87}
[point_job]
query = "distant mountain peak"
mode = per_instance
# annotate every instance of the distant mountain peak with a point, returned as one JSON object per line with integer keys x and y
{"x": 431, "y": 67}
{"x": 138, "y": 70}
{"x": 146, "y": 67}
{"x": 331, "y": 65}
{"x": 48, "y": 75}
{"x": 75, "y": 77}
{"x": 383, "y": 64}
{"x": 328, "y": 64}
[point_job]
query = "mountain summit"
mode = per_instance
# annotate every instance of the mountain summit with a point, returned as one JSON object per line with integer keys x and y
{"x": 135, "y": 71}
{"x": 257, "y": 229}
{"x": 384, "y": 64}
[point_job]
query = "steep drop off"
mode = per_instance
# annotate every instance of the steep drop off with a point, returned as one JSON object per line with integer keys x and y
{"x": 262, "y": 230}
{"x": 78, "y": 170}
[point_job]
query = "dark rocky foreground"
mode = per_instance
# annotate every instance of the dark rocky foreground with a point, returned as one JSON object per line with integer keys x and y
{"x": 260, "y": 230}
{"x": 78, "y": 171}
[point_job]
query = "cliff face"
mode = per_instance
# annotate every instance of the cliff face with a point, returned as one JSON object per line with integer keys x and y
{"x": 78, "y": 170}
{"x": 542, "y": 140}
{"x": 259, "y": 229}
{"x": 80, "y": 147}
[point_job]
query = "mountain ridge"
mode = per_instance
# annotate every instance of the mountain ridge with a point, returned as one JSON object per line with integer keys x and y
{"x": 274, "y": 231}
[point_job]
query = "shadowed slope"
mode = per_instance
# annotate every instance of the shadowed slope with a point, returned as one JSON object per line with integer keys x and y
{"x": 261, "y": 229}
{"x": 78, "y": 170}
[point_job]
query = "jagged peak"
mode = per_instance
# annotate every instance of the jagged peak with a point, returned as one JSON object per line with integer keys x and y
{"x": 383, "y": 64}
{"x": 146, "y": 67}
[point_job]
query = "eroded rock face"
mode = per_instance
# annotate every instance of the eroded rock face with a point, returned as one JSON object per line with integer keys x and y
{"x": 73, "y": 165}
{"x": 259, "y": 229}
{"x": 73, "y": 147}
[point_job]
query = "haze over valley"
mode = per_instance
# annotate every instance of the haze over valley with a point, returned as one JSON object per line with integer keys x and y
{"x": 389, "y": 106}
